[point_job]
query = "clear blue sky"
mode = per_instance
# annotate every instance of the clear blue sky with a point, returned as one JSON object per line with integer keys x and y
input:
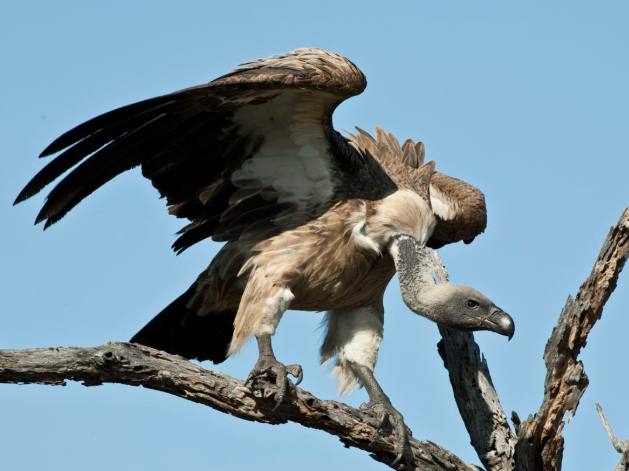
{"x": 527, "y": 101}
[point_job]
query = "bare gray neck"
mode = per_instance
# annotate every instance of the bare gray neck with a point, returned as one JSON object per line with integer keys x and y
{"x": 414, "y": 266}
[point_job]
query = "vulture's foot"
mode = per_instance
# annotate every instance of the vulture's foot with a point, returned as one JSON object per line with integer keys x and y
{"x": 391, "y": 421}
{"x": 269, "y": 375}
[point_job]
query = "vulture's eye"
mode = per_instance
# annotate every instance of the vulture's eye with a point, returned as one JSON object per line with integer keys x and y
{"x": 473, "y": 304}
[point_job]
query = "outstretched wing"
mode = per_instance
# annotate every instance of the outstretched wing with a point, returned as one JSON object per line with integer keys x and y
{"x": 247, "y": 152}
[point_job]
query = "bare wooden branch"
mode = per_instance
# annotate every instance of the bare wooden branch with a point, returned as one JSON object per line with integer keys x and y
{"x": 137, "y": 365}
{"x": 475, "y": 394}
{"x": 540, "y": 440}
{"x": 620, "y": 446}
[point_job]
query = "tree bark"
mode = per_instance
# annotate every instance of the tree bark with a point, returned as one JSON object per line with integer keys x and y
{"x": 137, "y": 365}
{"x": 540, "y": 440}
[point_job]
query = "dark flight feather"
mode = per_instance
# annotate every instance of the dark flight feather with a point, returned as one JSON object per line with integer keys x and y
{"x": 97, "y": 170}
{"x": 102, "y": 121}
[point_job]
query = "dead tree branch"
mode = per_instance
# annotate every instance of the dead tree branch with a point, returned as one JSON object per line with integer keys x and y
{"x": 620, "y": 446}
{"x": 137, "y": 365}
{"x": 538, "y": 445}
{"x": 540, "y": 440}
{"x": 474, "y": 393}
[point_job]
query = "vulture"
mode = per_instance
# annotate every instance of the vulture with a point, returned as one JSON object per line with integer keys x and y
{"x": 311, "y": 219}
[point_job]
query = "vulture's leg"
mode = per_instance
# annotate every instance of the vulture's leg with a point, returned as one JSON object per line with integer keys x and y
{"x": 390, "y": 417}
{"x": 268, "y": 364}
{"x": 354, "y": 337}
{"x": 263, "y": 302}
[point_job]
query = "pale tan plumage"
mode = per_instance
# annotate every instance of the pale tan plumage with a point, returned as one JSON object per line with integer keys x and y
{"x": 325, "y": 264}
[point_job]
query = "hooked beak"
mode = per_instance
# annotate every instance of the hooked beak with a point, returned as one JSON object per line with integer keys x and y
{"x": 500, "y": 322}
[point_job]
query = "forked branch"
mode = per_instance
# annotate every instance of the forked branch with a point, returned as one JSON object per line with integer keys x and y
{"x": 620, "y": 446}
{"x": 539, "y": 440}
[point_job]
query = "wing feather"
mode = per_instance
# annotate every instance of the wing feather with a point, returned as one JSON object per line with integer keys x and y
{"x": 103, "y": 121}
{"x": 459, "y": 207}
{"x": 230, "y": 155}
{"x": 253, "y": 151}
{"x": 105, "y": 164}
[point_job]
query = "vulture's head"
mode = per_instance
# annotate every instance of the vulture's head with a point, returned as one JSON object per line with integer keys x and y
{"x": 452, "y": 305}
{"x": 464, "y": 308}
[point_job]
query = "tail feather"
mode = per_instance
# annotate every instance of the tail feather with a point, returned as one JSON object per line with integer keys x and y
{"x": 181, "y": 331}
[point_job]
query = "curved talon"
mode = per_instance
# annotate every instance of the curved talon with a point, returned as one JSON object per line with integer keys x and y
{"x": 281, "y": 382}
{"x": 297, "y": 372}
{"x": 391, "y": 421}
{"x": 402, "y": 446}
